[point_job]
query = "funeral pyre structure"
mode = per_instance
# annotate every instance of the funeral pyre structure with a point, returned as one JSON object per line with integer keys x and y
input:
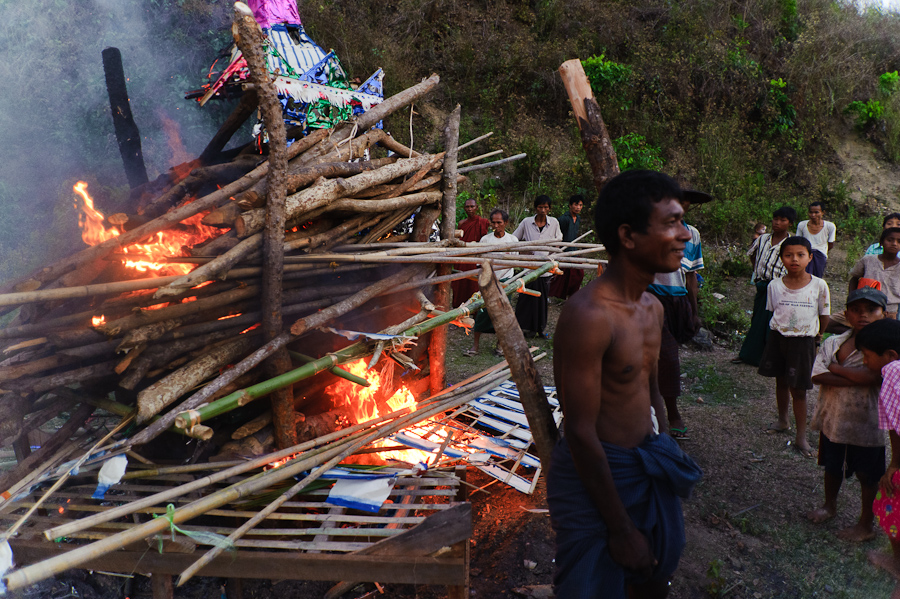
{"x": 169, "y": 326}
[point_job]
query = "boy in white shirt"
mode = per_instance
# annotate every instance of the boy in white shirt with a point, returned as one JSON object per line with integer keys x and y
{"x": 800, "y": 303}
{"x": 821, "y": 235}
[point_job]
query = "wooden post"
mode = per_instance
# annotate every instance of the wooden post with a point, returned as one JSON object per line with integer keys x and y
{"x": 437, "y": 350}
{"x": 521, "y": 365}
{"x": 162, "y": 586}
{"x": 594, "y": 136}
{"x": 250, "y": 40}
{"x": 127, "y": 133}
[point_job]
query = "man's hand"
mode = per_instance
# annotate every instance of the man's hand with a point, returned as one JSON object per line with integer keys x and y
{"x": 631, "y": 550}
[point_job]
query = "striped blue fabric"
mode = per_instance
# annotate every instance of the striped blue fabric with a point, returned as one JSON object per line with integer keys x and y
{"x": 649, "y": 480}
{"x": 301, "y": 57}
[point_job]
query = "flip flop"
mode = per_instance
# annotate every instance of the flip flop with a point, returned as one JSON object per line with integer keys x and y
{"x": 806, "y": 453}
{"x": 470, "y": 353}
{"x": 736, "y": 361}
{"x": 773, "y": 429}
{"x": 679, "y": 434}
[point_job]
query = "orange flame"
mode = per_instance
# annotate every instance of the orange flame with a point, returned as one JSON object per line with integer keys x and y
{"x": 149, "y": 256}
{"x": 98, "y": 320}
{"x": 364, "y": 406}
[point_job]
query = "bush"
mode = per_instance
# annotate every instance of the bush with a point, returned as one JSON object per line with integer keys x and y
{"x": 633, "y": 153}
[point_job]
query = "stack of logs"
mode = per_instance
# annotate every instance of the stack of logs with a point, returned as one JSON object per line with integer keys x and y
{"x": 304, "y": 240}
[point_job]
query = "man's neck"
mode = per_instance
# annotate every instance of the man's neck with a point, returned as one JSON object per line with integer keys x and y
{"x": 629, "y": 281}
{"x": 540, "y": 220}
{"x": 776, "y": 237}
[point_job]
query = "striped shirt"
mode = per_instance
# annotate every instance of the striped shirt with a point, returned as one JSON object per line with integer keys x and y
{"x": 673, "y": 283}
{"x": 889, "y": 398}
{"x": 767, "y": 265}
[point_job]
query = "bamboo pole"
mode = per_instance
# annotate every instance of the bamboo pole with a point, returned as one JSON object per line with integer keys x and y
{"x": 480, "y": 167}
{"x": 335, "y": 371}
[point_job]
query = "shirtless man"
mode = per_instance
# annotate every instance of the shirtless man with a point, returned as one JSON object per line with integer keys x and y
{"x": 614, "y": 485}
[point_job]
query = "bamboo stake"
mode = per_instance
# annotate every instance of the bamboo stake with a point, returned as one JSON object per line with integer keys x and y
{"x": 475, "y": 141}
{"x": 335, "y": 371}
{"x": 479, "y": 167}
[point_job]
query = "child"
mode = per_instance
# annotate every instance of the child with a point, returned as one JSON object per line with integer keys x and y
{"x": 890, "y": 221}
{"x": 884, "y": 268}
{"x": 483, "y": 324}
{"x": 847, "y": 416}
{"x": 758, "y": 230}
{"x": 820, "y": 233}
{"x": 879, "y": 343}
{"x": 766, "y": 266}
{"x": 800, "y": 305}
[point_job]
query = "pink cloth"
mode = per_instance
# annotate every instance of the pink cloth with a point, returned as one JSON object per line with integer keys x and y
{"x": 272, "y": 12}
{"x": 887, "y": 510}
{"x": 889, "y": 398}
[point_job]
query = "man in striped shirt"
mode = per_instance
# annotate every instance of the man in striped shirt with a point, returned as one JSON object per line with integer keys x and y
{"x": 765, "y": 258}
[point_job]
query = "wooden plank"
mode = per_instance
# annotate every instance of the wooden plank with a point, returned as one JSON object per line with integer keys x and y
{"x": 162, "y": 586}
{"x": 269, "y": 565}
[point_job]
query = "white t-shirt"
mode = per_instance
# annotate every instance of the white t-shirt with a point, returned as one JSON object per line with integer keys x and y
{"x": 820, "y": 240}
{"x": 492, "y": 239}
{"x": 797, "y": 311}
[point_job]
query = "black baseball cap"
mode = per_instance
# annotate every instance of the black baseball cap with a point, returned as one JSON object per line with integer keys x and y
{"x": 695, "y": 197}
{"x": 868, "y": 293}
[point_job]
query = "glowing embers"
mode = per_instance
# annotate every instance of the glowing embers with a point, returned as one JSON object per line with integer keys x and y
{"x": 149, "y": 256}
{"x": 98, "y": 321}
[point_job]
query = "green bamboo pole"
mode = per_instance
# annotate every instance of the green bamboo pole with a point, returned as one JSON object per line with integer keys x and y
{"x": 335, "y": 371}
{"x": 190, "y": 418}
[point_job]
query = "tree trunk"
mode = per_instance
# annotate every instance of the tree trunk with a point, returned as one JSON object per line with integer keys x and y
{"x": 594, "y": 136}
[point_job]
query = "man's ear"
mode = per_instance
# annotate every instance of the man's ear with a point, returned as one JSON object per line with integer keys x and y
{"x": 626, "y": 237}
{"x": 892, "y": 354}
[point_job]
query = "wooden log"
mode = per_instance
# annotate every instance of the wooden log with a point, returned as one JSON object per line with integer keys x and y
{"x": 247, "y": 104}
{"x": 144, "y": 317}
{"x": 401, "y": 189}
{"x": 321, "y": 194}
{"x": 409, "y": 202}
{"x": 223, "y": 216}
{"x": 440, "y": 530}
{"x": 528, "y": 381}
{"x": 594, "y": 136}
{"x": 47, "y": 382}
{"x": 437, "y": 349}
{"x": 152, "y": 400}
{"x": 127, "y": 133}
{"x": 212, "y": 269}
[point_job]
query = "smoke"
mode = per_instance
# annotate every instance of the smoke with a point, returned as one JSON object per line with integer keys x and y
{"x": 54, "y": 110}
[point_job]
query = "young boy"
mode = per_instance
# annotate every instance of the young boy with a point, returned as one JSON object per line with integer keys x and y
{"x": 847, "y": 415}
{"x": 764, "y": 256}
{"x": 879, "y": 343}
{"x": 820, "y": 233}
{"x": 800, "y": 305}
{"x": 890, "y": 221}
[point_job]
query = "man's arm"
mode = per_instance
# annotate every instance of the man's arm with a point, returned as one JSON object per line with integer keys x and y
{"x": 835, "y": 380}
{"x": 823, "y": 322}
{"x": 690, "y": 283}
{"x": 520, "y": 230}
{"x": 580, "y": 344}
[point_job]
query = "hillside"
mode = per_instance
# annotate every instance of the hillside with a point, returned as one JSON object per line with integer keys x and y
{"x": 748, "y": 100}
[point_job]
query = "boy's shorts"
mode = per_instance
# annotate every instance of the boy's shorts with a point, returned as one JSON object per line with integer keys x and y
{"x": 844, "y": 460}
{"x": 790, "y": 357}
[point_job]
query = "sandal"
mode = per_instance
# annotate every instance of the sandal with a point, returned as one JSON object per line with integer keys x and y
{"x": 498, "y": 352}
{"x": 470, "y": 353}
{"x": 679, "y": 434}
